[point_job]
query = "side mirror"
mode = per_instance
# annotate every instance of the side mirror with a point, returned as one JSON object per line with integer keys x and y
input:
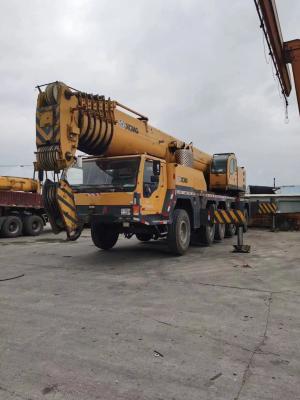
{"x": 156, "y": 167}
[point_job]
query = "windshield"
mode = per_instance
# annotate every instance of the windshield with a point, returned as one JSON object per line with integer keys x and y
{"x": 219, "y": 164}
{"x": 111, "y": 175}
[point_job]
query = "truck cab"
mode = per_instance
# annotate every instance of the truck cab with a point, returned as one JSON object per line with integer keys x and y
{"x": 120, "y": 193}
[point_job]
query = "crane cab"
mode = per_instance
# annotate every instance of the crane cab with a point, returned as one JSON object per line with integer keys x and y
{"x": 225, "y": 176}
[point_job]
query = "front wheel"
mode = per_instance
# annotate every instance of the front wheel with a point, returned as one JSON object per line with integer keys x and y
{"x": 104, "y": 236}
{"x": 179, "y": 232}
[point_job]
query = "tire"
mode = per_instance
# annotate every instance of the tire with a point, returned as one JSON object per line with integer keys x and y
{"x": 33, "y": 225}
{"x": 245, "y": 226}
{"x": 179, "y": 232}
{"x": 230, "y": 230}
{"x": 12, "y": 226}
{"x": 104, "y": 236}
{"x": 219, "y": 232}
{"x": 207, "y": 234}
{"x": 143, "y": 237}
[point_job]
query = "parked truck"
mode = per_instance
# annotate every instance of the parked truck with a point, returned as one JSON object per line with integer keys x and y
{"x": 137, "y": 180}
{"x": 21, "y": 207}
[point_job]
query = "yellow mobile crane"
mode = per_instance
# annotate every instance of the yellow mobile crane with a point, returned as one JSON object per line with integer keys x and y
{"x": 137, "y": 179}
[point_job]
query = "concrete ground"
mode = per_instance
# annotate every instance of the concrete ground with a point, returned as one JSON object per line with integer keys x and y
{"x": 136, "y": 323}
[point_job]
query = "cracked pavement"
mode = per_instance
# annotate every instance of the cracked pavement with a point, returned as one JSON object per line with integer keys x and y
{"x": 136, "y": 323}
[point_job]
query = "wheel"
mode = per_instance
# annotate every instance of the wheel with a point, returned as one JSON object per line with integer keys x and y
{"x": 219, "y": 232}
{"x": 33, "y": 225}
{"x": 104, "y": 236}
{"x": 245, "y": 226}
{"x": 230, "y": 230}
{"x": 207, "y": 234}
{"x": 143, "y": 237}
{"x": 179, "y": 232}
{"x": 12, "y": 226}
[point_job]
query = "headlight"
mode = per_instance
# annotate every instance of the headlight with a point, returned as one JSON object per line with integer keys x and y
{"x": 125, "y": 211}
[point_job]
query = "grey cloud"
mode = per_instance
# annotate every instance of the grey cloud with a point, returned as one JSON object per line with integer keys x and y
{"x": 196, "y": 68}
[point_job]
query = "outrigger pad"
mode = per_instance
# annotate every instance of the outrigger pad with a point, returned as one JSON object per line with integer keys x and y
{"x": 243, "y": 248}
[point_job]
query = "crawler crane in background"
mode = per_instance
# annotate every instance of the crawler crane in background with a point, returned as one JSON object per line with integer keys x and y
{"x": 137, "y": 180}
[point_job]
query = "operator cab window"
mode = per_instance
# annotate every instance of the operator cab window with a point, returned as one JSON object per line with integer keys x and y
{"x": 149, "y": 184}
{"x": 219, "y": 164}
{"x": 111, "y": 174}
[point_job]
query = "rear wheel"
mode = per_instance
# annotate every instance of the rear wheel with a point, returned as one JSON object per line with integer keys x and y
{"x": 33, "y": 225}
{"x": 143, "y": 237}
{"x": 207, "y": 234}
{"x": 179, "y": 233}
{"x": 104, "y": 236}
{"x": 12, "y": 226}
{"x": 230, "y": 230}
{"x": 245, "y": 226}
{"x": 219, "y": 232}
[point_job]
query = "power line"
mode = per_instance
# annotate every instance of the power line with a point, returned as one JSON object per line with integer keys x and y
{"x": 16, "y": 165}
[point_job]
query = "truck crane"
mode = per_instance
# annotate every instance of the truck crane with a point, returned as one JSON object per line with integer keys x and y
{"x": 21, "y": 207}
{"x": 281, "y": 53}
{"x": 137, "y": 180}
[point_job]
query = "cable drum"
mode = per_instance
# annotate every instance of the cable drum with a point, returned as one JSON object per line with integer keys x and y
{"x": 48, "y": 157}
{"x": 95, "y": 120}
{"x": 51, "y": 205}
{"x": 95, "y": 132}
{"x": 184, "y": 157}
{"x": 51, "y": 93}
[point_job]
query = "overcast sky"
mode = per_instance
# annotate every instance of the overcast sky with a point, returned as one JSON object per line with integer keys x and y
{"x": 196, "y": 68}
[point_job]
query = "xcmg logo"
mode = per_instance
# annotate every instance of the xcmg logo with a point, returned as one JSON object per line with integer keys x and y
{"x": 129, "y": 127}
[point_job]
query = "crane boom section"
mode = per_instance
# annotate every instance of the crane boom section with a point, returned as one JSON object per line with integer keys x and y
{"x": 68, "y": 120}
